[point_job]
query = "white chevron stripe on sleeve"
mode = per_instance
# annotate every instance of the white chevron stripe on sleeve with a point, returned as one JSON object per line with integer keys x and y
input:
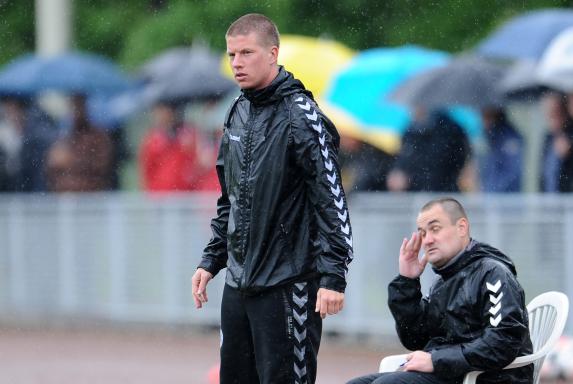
{"x": 339, "y": 203}
{"x": 493, "y": 287}
{"x": 335, "y": 191}
{"x": 494, "y": 300}
{"x": 495, "y": 322}
{"x": 495, "y": 310}
{"x": 313, "y": 116}
{"x": 349, "y": 242}
{"x": 331, "y": 175}
{"x": 331, "y": 178}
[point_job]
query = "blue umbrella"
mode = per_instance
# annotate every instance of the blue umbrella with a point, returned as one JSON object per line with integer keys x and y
{"x": 526, "y": 36}
{"x": 70, "y": 72}
{"x": 16, "y": 77}
{"x": 361, "y": 88}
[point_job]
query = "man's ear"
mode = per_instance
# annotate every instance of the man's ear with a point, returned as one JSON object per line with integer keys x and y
{"x": 463, "y": 226}
{"x": 274, "y": 54}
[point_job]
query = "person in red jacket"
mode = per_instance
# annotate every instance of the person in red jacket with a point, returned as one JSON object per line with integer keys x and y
{"x": 172, "y": 156}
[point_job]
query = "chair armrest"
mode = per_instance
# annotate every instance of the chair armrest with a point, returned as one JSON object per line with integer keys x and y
{"x": 520, "y": 361}
{"x": 524, "y": 360}
{"x": 471, "y": 377}
{"x": 391, "y": 363}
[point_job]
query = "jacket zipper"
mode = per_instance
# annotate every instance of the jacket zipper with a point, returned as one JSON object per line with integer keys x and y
{"x": 244, "y": 189}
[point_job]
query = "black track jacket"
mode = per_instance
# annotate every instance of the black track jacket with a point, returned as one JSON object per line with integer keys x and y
{"x": 474, "y": 318}
{"x": 282, "y": 215}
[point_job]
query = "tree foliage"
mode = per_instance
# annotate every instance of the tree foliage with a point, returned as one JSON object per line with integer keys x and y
{"x": 132, "y": 31}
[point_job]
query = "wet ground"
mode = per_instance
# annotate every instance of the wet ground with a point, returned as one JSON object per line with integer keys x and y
{"x": 90, "y": 356}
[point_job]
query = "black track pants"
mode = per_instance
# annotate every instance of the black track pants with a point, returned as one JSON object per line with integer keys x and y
{"x": 272, "y": 337}
{"x": 403, "y": 378}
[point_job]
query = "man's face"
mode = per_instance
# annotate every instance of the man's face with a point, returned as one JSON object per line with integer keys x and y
{"x": 441, "y": 239}
{"x": 253, "y": 64}
{"x": 553, "y": 112}
{"x": 163, "y": 116}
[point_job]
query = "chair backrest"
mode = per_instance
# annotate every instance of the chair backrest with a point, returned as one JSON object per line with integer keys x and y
{"x": 547, "y": 317}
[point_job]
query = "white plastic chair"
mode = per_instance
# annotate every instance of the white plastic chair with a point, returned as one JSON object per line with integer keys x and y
{"x": 547, "y": 317}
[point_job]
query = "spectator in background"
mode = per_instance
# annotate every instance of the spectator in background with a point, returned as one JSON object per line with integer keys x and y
{"x": 26, "y": 133}
{"x": 364, "y": 167}
{"x": 557, "y": 154}
{"x": 121, "y": 155}
{"x": 101, "y": 113}
{"x": 502, "y": 166}
{"x": 433, "y": 153}
{"x": 172, "y": 157}
{"x": 81, "y": 161}
{"x": 4, "y": 176}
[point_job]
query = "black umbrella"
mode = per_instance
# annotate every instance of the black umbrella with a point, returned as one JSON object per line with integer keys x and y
{"x": 185, "y": 74}
{"x": 467, "y": 80}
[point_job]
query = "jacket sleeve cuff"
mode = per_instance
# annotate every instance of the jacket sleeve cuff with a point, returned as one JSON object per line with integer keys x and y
{"x": 450, "y": 362}
{"x": 209, "y": 266}
{"x": 407, "y": 280}
{"x": 333, "y": 282}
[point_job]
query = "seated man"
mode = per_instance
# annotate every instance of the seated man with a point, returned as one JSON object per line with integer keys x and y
{"x": 474, "y": 318}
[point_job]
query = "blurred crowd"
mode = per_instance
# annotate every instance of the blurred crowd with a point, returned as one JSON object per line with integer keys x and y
{"x": 39, "y": 153}
{"x": 437, "y": 156}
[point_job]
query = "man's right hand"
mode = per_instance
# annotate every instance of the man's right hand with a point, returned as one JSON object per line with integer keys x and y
{"x": 409, "y": 264}
{"x": 199, "y": 286}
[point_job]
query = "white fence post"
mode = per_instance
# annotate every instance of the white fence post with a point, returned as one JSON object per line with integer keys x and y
{"x": 67, "y": 267}
{"x": 16, "y": 239}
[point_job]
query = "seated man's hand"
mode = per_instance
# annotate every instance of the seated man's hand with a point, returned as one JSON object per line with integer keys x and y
{"x": 408, "y": 263}
{"x": 419, "y": 361}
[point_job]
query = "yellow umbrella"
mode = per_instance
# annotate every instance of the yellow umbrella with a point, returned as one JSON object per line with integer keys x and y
{"x": 347, "y": 125}
{"x": 314, "y": 61}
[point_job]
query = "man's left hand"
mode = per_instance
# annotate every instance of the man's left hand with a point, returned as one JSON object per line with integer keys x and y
{"x": 419, "y": 361}
{"x": 329, "y": 302}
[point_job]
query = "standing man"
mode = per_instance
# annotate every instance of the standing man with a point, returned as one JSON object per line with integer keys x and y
{"x": 282, "y": 227}
{"x": 474, "y": 318}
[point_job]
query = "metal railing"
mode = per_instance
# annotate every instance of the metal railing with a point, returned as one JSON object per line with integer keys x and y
{"x": 130, "y": 257}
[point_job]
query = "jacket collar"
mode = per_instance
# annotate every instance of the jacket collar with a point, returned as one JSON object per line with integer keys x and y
{"x": 472, "y": 253}
{"x": 283, "y": 85}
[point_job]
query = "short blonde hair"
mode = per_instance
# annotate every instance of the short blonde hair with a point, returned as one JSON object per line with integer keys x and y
{"x": 264, "y": 27}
